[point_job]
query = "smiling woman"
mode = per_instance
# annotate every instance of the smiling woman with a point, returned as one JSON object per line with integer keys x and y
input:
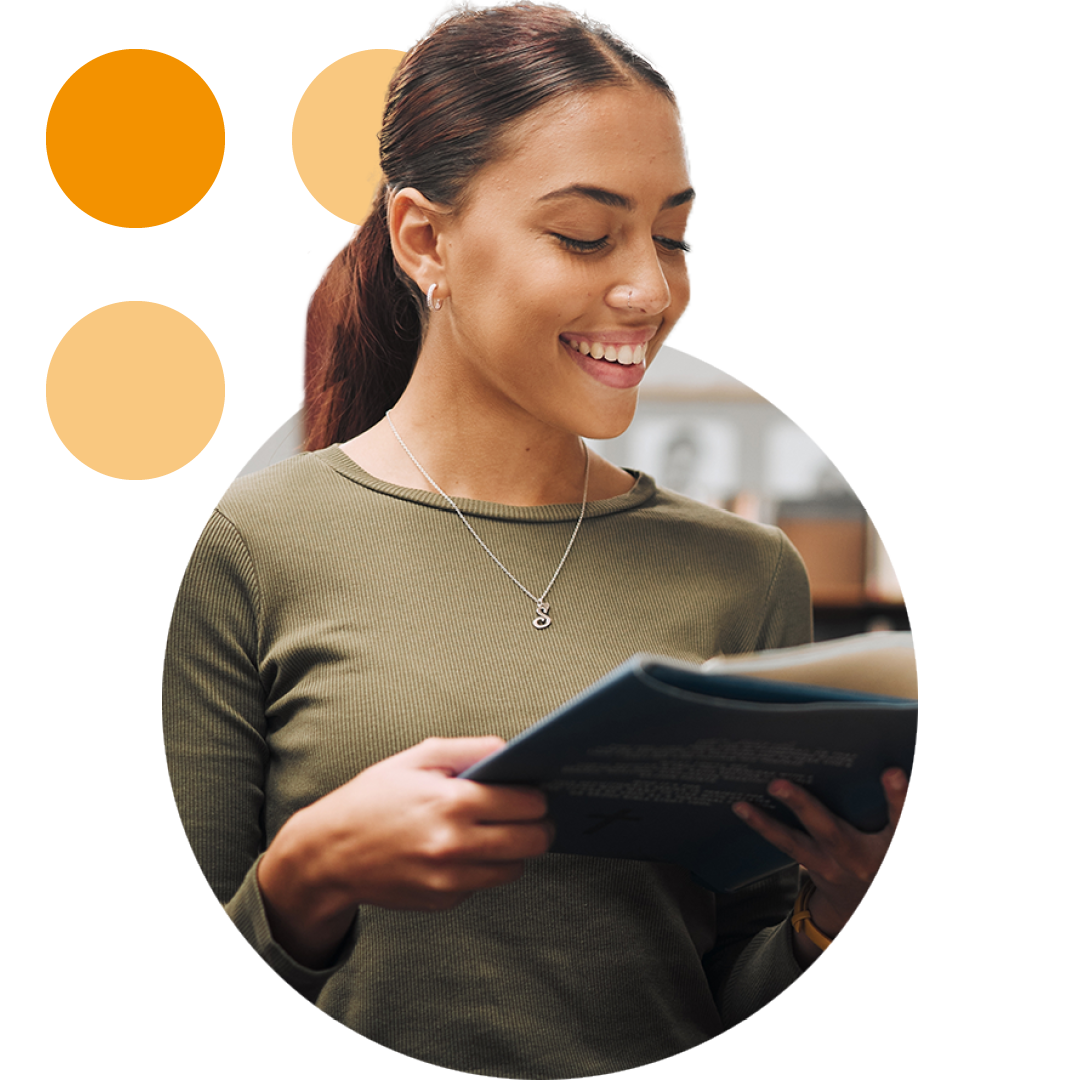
{"x": 448, "y": 563}
{"x": 504, "y": 195}
{"x": 568, "y": 249}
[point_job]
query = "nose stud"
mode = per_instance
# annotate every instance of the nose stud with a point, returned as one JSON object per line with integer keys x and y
{"x": 625, "y": 296}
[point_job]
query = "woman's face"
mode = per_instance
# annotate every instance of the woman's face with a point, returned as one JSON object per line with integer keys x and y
{"x": 566, "y": 267}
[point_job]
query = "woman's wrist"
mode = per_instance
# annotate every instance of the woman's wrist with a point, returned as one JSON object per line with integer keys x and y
{"x": 309, "y": 914}
{"x": 828, "y": 920}
{"x": 815, "y": 921}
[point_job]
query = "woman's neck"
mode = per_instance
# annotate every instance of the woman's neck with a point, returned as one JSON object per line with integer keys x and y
{"x": 484, "y": 453}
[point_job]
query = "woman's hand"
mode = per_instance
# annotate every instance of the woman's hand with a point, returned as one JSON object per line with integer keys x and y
{"x": 403, "y": 834}
{"x": 840, "y": 860}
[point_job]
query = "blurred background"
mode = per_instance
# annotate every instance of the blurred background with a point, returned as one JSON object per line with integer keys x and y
{"x": 700, "y": 432}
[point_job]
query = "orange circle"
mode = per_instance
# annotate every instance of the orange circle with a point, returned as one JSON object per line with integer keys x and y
{"x": 135, "y": 138}
{"x": 335, "y": 132}
{"x": 135, "y": 390}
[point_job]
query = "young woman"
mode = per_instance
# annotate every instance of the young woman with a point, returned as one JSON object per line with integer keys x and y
{"x": 448, "y": 563}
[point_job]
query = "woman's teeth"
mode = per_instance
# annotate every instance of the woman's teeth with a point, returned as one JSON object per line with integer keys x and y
{"x": 619, "y": 354}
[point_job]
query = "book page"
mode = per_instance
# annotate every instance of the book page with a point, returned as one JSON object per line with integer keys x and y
{"x": 874, "y": 663}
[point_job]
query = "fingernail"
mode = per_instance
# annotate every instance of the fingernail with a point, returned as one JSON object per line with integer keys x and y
{"x": 742, "y": 810}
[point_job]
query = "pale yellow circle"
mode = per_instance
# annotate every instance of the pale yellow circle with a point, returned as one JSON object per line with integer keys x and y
{"x": 335, "y": 132}
{"x": 135, "y": 390}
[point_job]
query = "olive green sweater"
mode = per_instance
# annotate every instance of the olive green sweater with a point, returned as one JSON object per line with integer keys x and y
{"x": 328, "y": 620}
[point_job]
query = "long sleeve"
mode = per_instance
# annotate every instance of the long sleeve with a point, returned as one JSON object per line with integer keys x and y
{"x": 215, "y": 732}
{"x": 746, "y": 974}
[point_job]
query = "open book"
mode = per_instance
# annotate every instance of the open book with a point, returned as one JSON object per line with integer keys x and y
{"x": 647, "y": 762}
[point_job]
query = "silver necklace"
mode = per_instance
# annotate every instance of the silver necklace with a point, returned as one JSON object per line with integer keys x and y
{"x": 543, "y": 609}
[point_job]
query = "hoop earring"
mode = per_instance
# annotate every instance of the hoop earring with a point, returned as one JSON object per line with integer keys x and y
{"x": 433, "y": 305}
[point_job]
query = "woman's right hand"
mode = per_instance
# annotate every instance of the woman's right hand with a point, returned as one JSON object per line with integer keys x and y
{"x": 403, "y": 834}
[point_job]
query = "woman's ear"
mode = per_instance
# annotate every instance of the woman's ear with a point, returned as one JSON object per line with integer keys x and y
{"x": 415, "y": 225}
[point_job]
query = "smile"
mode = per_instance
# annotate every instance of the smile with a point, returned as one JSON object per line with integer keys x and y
{"x": 616, "y": 354}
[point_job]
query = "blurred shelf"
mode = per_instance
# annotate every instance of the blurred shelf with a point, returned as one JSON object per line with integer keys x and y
{"x": 843, "y": 620}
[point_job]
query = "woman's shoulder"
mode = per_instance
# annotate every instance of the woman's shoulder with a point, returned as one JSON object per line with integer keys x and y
{"x": 752, "y": 566}
{"x": 296, "y": 488}
{"x": 687, "y": 515}
{"x": 701, "y": 535}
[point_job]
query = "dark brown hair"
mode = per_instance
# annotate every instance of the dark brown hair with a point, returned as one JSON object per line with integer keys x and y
{"x": 448, "y": 110}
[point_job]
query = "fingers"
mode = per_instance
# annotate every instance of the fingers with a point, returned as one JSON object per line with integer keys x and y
{"x": 820, "y": 823}
{"x": 451, "y": 756}
{"x": 485, "y": 802}
{"x": 510, "y": 842}
{"x": 831, "y": 849}
{"x": 490, "y": 804}
{"x": 824, "y": 831}
{"x": 840, "y": 859}
{"x": 471, "y": 822}
{"x": 895, "y": 784}
{"x": 793, "y": 844}
{"x": 494, "y": 849}
{"x": 825, "y": 827}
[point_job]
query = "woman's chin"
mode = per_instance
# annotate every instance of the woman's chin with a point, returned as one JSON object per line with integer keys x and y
{"x": 608, "y": 423}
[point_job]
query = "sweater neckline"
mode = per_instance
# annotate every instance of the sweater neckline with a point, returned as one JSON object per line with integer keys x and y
{"x": 643, "y": 490}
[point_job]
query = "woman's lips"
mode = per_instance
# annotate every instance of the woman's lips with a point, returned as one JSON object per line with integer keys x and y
{"x": 619, "y": 376}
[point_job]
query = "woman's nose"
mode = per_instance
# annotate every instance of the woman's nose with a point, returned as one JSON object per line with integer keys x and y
{"x": 643, "y": 288}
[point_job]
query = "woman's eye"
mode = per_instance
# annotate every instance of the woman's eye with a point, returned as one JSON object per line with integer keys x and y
{"x": 671, "y": 245}
{"x": 572, "y": 244}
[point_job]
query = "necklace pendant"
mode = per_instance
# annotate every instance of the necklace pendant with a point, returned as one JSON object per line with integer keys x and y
{"x": 543, "y": 619}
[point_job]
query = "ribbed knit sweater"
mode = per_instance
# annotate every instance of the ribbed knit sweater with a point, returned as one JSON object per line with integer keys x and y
{"x": 328, "y": 620}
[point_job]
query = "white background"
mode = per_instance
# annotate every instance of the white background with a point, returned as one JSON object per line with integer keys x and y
{"x": 885, "y": 245}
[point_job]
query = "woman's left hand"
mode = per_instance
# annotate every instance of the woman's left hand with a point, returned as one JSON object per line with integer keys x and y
{"x": 840, "y": 860}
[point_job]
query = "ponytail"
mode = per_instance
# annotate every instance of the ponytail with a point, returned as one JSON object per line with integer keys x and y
{"x": 363, "y": 336}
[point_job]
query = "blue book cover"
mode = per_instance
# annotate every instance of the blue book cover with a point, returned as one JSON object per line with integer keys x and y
{"x": 647, "y": 762}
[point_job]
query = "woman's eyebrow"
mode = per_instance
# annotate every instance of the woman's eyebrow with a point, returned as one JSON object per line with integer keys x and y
{"x": 613, "y": 198}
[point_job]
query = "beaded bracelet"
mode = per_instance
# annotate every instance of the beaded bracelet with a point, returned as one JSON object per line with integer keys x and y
{"x": 801, "y": 922}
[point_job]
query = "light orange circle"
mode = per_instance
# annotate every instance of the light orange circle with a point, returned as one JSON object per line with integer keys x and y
{"x": 135, "y": 138}
{"x": 335, "y": 132}
{"x": 135, "y": 390}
